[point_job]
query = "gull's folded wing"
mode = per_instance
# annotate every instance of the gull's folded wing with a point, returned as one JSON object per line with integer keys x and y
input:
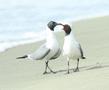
{"x": 39, "y": 53}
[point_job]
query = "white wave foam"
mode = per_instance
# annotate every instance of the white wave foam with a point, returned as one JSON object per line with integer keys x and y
{"x": 29, "y": 37}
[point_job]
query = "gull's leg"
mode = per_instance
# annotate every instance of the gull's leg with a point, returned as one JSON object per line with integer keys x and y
{"x": 68, "y": 65}
{"x": 46, "y": 65}
{"x": 77, "y": 68}
{"x": 50, "y": 69}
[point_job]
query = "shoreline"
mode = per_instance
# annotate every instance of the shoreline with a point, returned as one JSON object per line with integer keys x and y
{"x": 16, "y": 44}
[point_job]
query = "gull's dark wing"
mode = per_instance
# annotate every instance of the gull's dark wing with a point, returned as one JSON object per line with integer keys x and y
{"x": 81, "y": 51}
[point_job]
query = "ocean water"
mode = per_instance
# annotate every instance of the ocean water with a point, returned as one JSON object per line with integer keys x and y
{"x": 24, "y": 21}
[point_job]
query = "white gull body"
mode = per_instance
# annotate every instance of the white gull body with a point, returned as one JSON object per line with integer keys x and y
{"x": 71, "y": 47}
{"x": 49, "y": 50}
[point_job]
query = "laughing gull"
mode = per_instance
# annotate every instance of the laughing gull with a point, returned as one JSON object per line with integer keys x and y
{"x": 71, "y": 48}
{"x": 48, "y": 51}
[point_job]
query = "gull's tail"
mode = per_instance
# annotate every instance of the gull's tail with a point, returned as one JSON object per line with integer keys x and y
{"x": 22, "y": 57}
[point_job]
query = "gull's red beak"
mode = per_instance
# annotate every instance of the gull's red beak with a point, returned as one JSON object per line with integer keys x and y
{"x": 59, "y": 24}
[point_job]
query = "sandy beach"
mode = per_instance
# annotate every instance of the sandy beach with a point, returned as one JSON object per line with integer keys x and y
{"x": 93, "y": 34}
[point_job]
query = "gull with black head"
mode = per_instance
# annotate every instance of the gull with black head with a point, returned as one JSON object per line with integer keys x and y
{"x": 48, "y": 51}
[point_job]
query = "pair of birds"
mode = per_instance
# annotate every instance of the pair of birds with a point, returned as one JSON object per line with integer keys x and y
{"x": 51, "y": 49}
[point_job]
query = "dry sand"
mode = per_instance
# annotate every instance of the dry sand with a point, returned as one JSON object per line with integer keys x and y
{"x": 93, "y": 34}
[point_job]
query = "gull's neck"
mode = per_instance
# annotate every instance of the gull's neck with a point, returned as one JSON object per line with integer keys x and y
{"x": 50, "y": 34}
{"x": 70, "y": 37}
{"x": 51, "y": 38}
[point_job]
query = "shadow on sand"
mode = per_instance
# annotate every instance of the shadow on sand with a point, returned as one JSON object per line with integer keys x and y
{"x": 88, "y": 67}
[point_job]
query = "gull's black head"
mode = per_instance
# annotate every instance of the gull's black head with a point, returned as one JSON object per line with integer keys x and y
{"x": 52, "y": 25}
{"x": 67, "y": 29}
